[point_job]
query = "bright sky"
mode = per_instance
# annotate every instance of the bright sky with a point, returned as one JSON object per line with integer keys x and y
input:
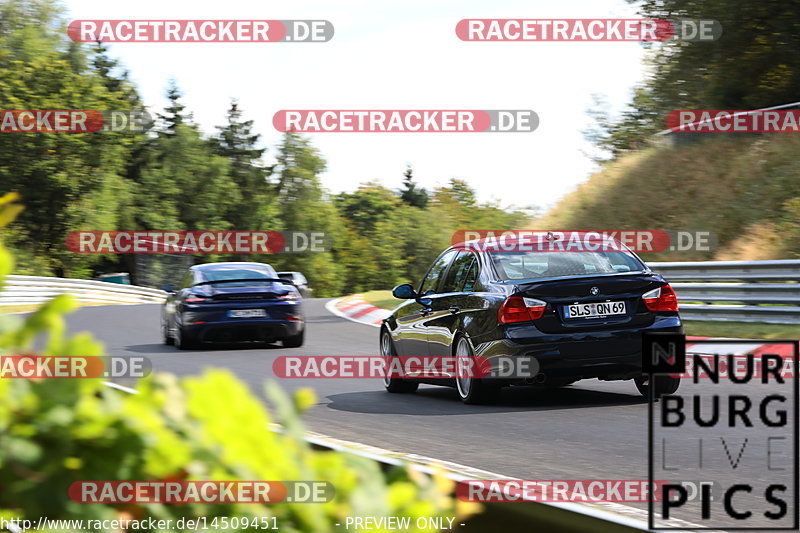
{"x": 398, "y": 55}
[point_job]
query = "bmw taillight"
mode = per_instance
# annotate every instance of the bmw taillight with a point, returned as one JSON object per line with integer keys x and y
{"x": 195, "y": 299}
{"x": 661, "y": 299}
{"x": 519, "y": 309}
{"x": 288, "y": 296}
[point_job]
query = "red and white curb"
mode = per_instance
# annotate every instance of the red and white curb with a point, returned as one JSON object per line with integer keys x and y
{"x": 356, "y": 309}
{"x": 720, "y": 346}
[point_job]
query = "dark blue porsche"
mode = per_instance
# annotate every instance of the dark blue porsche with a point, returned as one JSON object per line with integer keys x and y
{"x": 232, "y": 302}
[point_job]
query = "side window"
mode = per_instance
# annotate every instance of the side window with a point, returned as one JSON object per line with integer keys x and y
{"x": 457, "y": 274}
{"x": 471, "y": 278}
{"x": 435, "y": 273}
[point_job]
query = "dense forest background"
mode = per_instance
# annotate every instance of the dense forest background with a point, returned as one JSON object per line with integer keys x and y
{"x": 176, "y": 178}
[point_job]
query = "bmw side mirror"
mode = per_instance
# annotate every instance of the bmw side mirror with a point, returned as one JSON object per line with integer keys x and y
{"x": 404, "y": 292}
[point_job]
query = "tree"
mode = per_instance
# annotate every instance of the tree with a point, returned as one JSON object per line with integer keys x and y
{"x": 255, "y": 208}
{"x": 68, "y": 181}
{"x": 303, "y": 206}
{"x": 298, "y": 190}
{"x": 367, "y": 206}
{"x": 410, "y": 194}
{"x": 174, "y": 115}
{"x": 184, "y": 185}
{"x": 755, "y": 64}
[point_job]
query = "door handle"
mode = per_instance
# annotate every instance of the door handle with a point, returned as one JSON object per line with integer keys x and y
{"x": 426, "y": 311}
{"x": 454, "y": 309}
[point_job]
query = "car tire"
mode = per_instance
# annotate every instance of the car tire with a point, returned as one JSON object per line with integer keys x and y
{"x": 168, "y": 340}
{"x": 470, "y": 389}
{"x": 392, "y": 384}
{"x": 295, "y": 341}
{"x": 663, "y": 385}
{"x": 181, "y": 340}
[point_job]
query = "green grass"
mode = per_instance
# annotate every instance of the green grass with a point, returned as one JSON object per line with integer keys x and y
{"x": 382, "y": 299}
{"x": 741, "y": 330}
{"x": 737, "y": 188}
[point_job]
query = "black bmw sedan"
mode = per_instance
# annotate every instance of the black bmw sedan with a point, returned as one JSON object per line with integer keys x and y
{"x": 572, "y": 314}
{"x": 231, "y": 302}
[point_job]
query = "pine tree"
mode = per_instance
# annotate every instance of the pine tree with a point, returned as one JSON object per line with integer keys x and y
{"x": 174, "y": 113}
{"x": 237, "y": 142}
{"x": 410, "y": 194}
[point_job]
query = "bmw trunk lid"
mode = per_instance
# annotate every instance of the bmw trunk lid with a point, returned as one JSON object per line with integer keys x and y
{"x": 591, "y": 302}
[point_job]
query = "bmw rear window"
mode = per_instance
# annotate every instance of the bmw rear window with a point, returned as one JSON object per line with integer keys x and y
{"x": 533, "y": 265}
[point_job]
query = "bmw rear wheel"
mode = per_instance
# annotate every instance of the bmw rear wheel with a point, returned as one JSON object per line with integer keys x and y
{"x": 663, "y": 385}
{"x": 391, "y": 383}
{"x": 471, "y": 389}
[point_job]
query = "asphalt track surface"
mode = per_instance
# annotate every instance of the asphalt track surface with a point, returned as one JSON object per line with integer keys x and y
{"x": 590, "y": 430}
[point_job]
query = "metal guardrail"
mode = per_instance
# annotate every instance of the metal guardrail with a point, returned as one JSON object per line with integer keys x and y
{"x": 33, "y": 290}
{"x": 736, "y": 291}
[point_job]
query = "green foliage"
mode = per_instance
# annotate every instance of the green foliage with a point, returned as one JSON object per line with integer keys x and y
{"x": 389, "y": 242}
{"x": 755, "y": 64}
{"x": 56, "y": 432}
{"x": 182, "y": 184}
{"x": 210, "y": 427}
{"x": 68, "y": 182}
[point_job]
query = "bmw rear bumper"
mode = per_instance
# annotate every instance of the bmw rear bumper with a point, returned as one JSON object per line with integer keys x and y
{"x": 613, "y": 354}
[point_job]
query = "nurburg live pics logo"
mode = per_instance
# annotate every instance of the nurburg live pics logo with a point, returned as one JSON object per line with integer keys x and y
{"x": 734, "y": 426}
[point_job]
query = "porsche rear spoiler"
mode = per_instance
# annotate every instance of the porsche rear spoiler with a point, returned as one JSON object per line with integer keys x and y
{"x": 246, "y": 280}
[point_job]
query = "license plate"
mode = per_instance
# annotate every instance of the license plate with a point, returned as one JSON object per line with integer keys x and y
{"x": 247, "y": 313}
{"x": 595, "y": 310}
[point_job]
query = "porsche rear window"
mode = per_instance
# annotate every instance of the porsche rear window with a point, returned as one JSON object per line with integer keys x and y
{"x": 224, "y": 274}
